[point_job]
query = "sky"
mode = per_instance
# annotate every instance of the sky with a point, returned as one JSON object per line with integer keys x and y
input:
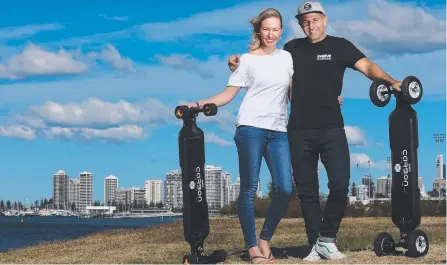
{"x": 92, "y": 86}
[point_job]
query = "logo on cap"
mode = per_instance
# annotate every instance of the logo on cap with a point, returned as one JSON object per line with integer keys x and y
{"x": 307, "y": 6}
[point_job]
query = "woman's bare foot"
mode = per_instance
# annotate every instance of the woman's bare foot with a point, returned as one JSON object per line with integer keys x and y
{"x": 256, "y": 256}
{"x": 265, "y": 248}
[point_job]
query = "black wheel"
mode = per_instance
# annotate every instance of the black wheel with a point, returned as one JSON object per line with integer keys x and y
{"x": 417, "y": 244}
{"x": 210, "y": 109}
{"x": 384, "y": 244}
{"x": 181, "y": 111}
{"x": 190, "y": 259}
{"x": 379, "y": 93}
{"x": 219, "y": 255}
{"x": 411, "y": 89}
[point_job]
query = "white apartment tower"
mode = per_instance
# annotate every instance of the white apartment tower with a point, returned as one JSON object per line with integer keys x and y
{"x": 85, "y": 190}
{"x": 384, "y": 186}
{"x": 173, "y": 193}
{"x": 153, "y": 191}
{"x": 110, "y": 187}
{"x": 73, "y": 194}
{"x": 233, "y": 191}
{"x": 60, "y": 190}
{"x": 440, "y": 166}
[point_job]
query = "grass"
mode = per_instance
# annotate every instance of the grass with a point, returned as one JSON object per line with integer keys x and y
{"x": 164, "y": 244}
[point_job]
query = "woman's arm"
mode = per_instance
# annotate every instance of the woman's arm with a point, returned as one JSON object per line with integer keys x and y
{"x": 220, "y": 99}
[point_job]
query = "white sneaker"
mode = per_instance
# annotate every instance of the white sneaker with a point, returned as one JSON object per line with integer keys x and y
{"x": 313, "y": 255}
{"x": 328, "y": 250}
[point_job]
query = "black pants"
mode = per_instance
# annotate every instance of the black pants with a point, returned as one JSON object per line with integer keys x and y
{"x": 307, "y": 146}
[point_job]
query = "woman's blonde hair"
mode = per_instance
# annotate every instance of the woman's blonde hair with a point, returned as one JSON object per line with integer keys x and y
{"x": 256, "y": 24}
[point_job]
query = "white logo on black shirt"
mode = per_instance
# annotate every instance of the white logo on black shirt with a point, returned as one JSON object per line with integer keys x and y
{"x": 325, "y": 57}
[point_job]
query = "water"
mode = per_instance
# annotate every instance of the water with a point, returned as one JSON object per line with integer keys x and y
{"x": 15, "y": 234}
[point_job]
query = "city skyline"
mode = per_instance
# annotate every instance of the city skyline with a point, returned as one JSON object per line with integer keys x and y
{"x": 93, "y": 87}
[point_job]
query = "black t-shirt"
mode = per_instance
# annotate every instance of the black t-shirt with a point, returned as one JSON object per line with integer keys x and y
{"x": 318, "y": 79}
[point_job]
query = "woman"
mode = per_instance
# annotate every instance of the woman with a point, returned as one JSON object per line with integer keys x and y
{"x": 266, "y": 72}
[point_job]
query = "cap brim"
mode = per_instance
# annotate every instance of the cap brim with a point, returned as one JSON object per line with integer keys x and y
{"x": 300, "y": 15}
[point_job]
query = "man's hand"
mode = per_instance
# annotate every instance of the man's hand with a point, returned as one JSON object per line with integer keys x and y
{"x": 396, "y": 85}
{"x": 340, "y": 100}
{"x": 233, "y": 62}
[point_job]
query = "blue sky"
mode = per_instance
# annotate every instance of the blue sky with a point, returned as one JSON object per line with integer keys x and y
{"x": 92, "y": 86}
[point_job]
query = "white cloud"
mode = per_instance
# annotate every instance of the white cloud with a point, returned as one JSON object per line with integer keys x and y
{"x": 355, "y": 135}
{"x": 27, "y": 31}
{"x": 185, "y": 62}
{"x": 116, "y": 18}
{"x": 92, "y": 119}
{"x": 122, "y": 133}
{"x": 210, "y": 137}
{"x": 111, "y": 55}
{"x": 34, "y": 61}
{"x": 18, "y": 131}
{"x": 361, "y": 160}
{"x": 395, "y": 28}
{"x": 95, "y": 112}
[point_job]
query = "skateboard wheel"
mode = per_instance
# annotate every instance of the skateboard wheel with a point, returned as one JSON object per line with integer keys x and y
{"x": 417, "y": 244}
{"x": 181, "y": 111}
{"x": 411, "y": 89}
{"x": 210, "y": 109}
{"x": 384, "y": 244}
{"x": 190, "y": 259}
{"x": 380, "y": 93}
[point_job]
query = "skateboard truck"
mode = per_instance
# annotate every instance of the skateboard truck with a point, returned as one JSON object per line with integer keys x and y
{"x": 405, "y": 193}
{"x": 195, "y": 207}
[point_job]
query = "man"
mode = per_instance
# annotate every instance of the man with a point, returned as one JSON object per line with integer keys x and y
{"x": 316, "y": 126}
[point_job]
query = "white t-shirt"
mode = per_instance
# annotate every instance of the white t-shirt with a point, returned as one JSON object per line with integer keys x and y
{"x": 267, "y": 80}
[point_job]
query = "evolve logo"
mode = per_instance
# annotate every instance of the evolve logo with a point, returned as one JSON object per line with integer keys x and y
{"x": 324, "y": 57}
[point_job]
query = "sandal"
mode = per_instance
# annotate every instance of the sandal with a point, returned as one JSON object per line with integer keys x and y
{"x": 260, "y": 262}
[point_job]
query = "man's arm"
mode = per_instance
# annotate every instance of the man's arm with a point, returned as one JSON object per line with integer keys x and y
{"x": 373, "y": 71}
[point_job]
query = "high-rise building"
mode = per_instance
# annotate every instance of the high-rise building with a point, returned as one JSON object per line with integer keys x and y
{"x": 85, "y": 190}
{"x": 215, "y": 184}
{"x": 384, "y": 186}
{"x": 233, "y": 191}
{"x": 367, "y": 181}
{"x": 110, "y": 187}
{"x": 73, "y": 195}
{"x": 173, "y": 193}
{"x": 153, "y": 191}
{"x": 362, "y": 191}
{"x": 421, "y": 185}
{"x": 440, "y": 166}
{"x": 60, "y": 190}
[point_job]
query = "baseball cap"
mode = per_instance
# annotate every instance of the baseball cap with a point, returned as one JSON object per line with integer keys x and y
{"x": 310, "y": 7}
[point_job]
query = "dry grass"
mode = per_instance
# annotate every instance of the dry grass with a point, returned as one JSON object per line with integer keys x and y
{"x": 164, "y": 244}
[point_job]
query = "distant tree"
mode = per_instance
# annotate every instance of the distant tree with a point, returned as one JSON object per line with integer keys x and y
{"x": 353, "y": 189}
{"x": 433, "y": 193}
{"x": 42, "y": 204}
{"x": 36, "y": 204}
{"x": 8, "y": 205}
{"x": 45, "y": 203}
{"x": 159, "y": 205}
{"x": 2, "y": 206}
{"x": 151, "y": 205}
{"x": 73, "y": 206}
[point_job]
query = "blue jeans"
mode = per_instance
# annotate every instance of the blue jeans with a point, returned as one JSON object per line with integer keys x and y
{"x": 253, "y": 144}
